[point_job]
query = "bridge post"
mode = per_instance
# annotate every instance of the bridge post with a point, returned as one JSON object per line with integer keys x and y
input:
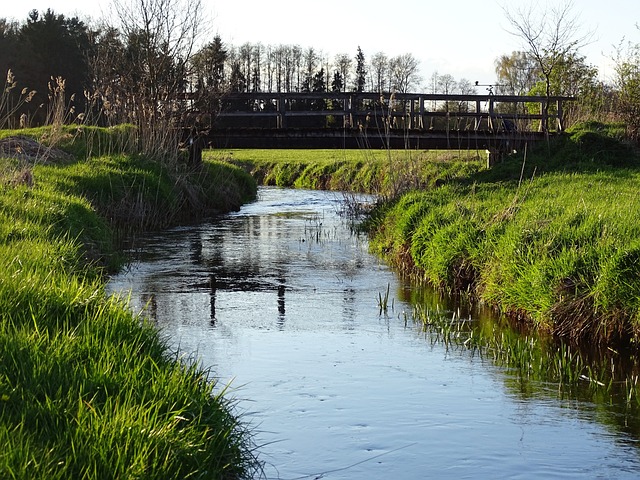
{"x": 421, "y": 108}
{"x": 559, "y": 118}
{"x": 347, "y": 119}
{"x": 544, "y": 121}
{"x": 479, "y": 115}
{"x": 282, "y": 108}
{"x": 412, "y": 112}
{"x": 491, "y": 115}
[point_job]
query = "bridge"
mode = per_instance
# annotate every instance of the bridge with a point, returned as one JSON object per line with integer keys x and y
{"x": 495, "y": 123}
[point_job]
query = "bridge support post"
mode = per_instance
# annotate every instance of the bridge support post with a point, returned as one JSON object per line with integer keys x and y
{"x": 494, "y": 155}
{"x": 560, "y": 119}
{"x": 492, "y": 127}
{"x": 282, "y": 107}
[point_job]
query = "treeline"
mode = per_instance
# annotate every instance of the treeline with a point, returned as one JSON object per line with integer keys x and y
{"x": 139, "y": 70}
{"x": 254, "y": 67}
{"x": 120, "y": 72}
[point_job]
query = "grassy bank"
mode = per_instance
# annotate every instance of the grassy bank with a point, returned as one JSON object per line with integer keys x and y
{"x": 550, "y": 237}
{"x": 383, "y": 172}
{"x": 86, "y": 389}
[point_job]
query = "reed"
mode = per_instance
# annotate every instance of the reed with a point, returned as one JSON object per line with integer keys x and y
{"x": 383, "y": 302}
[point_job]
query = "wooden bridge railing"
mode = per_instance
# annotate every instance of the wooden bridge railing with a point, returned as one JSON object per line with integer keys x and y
{"x": 419, "y": 111}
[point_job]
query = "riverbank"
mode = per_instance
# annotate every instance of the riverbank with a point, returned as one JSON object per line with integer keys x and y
{"x": 380, "y": 172}
{"x": 86, "y": 389}
{"x": 548, "y": 237}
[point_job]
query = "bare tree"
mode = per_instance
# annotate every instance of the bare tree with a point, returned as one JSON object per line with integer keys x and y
{"x": 379, "y": 72}
{"x": 550, "y": 35}
{"x": 343, "y": 66}
{"x": 158, "y": 39}
{"x": 311, "y": 60}
{"x": 404, "y": 73}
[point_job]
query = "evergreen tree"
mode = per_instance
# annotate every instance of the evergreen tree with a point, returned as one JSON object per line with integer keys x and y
{"x": 53, "y": 46}
{"x": 318, "y": 86}
{"x": 337, "y": 84}
{"x": 361, "y": 72}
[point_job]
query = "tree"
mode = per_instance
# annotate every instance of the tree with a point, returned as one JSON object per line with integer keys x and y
{"x": 404, "y": 73}
{"x": 159, "y": 37}
{"x": 380, "y": 73}
{"x": 627, "y": 82}
{"x": 549, "y": 38}
{"x": 343, "y": 66}
{"x": 48, "y": 49}
{"x": 311, "y": 60}
{"x": 361, "y": 72}
{"x": 207, "y": 65}
{"x": 516, "y": 73}
{"x": 237, "y": 81}
{"x": 337, "y": 84}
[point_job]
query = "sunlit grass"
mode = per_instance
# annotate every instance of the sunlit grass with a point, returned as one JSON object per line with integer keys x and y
{"x": 559, "y": 248}
{"x": 87, "y": 389}
{"x": 370, "y": 171}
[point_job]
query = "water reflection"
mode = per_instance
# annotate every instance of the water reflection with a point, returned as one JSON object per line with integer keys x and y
{"x": 336, "y": 390}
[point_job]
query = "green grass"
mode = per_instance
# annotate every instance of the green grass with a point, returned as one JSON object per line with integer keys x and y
{"x": 384, "y": 172}
{"x": 87, "y": 389}
{"x": 555, "y": 242}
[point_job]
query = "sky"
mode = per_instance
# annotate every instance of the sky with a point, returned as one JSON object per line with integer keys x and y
{"x": 457, "y": 37}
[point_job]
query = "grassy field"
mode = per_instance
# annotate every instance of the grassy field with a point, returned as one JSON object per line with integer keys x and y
{"x": 87, "y": 389}
{"x": 382, "y": 172}
{"x": 551, "y": 239}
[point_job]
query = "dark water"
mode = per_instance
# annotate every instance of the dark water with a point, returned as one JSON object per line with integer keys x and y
{"x": 332, "y": 388}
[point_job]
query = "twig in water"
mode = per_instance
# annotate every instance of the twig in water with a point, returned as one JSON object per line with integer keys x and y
{"x": 317, "y": 476}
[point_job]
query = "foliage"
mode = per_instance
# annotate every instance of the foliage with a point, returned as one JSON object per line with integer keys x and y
{"x": 552, "y": 39}
{"x": 361, "y": 72}
{"x": 627, "y": 71}
{"x": 516, "y": 73}
{"x": 39, "y": 51}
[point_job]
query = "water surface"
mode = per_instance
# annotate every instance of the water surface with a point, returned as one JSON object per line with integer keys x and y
{"x": 333, "y": 389}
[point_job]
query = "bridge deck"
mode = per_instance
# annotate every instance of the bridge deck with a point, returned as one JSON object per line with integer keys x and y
{"x": 357, "y": 120}
{"x": 368, "y": 138}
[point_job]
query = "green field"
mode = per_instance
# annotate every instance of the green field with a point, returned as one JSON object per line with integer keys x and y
{"x": 383, "y": 172}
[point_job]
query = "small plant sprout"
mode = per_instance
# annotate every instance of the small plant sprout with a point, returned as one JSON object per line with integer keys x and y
{"x": 383, "y": 301}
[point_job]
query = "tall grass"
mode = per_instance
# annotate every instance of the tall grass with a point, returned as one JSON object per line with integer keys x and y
{"x": 87, "y": 389}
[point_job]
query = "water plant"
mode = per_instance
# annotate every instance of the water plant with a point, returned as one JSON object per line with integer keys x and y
{"x": 536, "y": 364}
{"x": 383, "y": 301}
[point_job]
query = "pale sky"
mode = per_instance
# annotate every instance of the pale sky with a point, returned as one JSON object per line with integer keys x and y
{"x": 458, "y": 37}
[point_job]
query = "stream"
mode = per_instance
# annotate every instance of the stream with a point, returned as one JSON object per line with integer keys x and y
{"x": 331, "y": 386}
